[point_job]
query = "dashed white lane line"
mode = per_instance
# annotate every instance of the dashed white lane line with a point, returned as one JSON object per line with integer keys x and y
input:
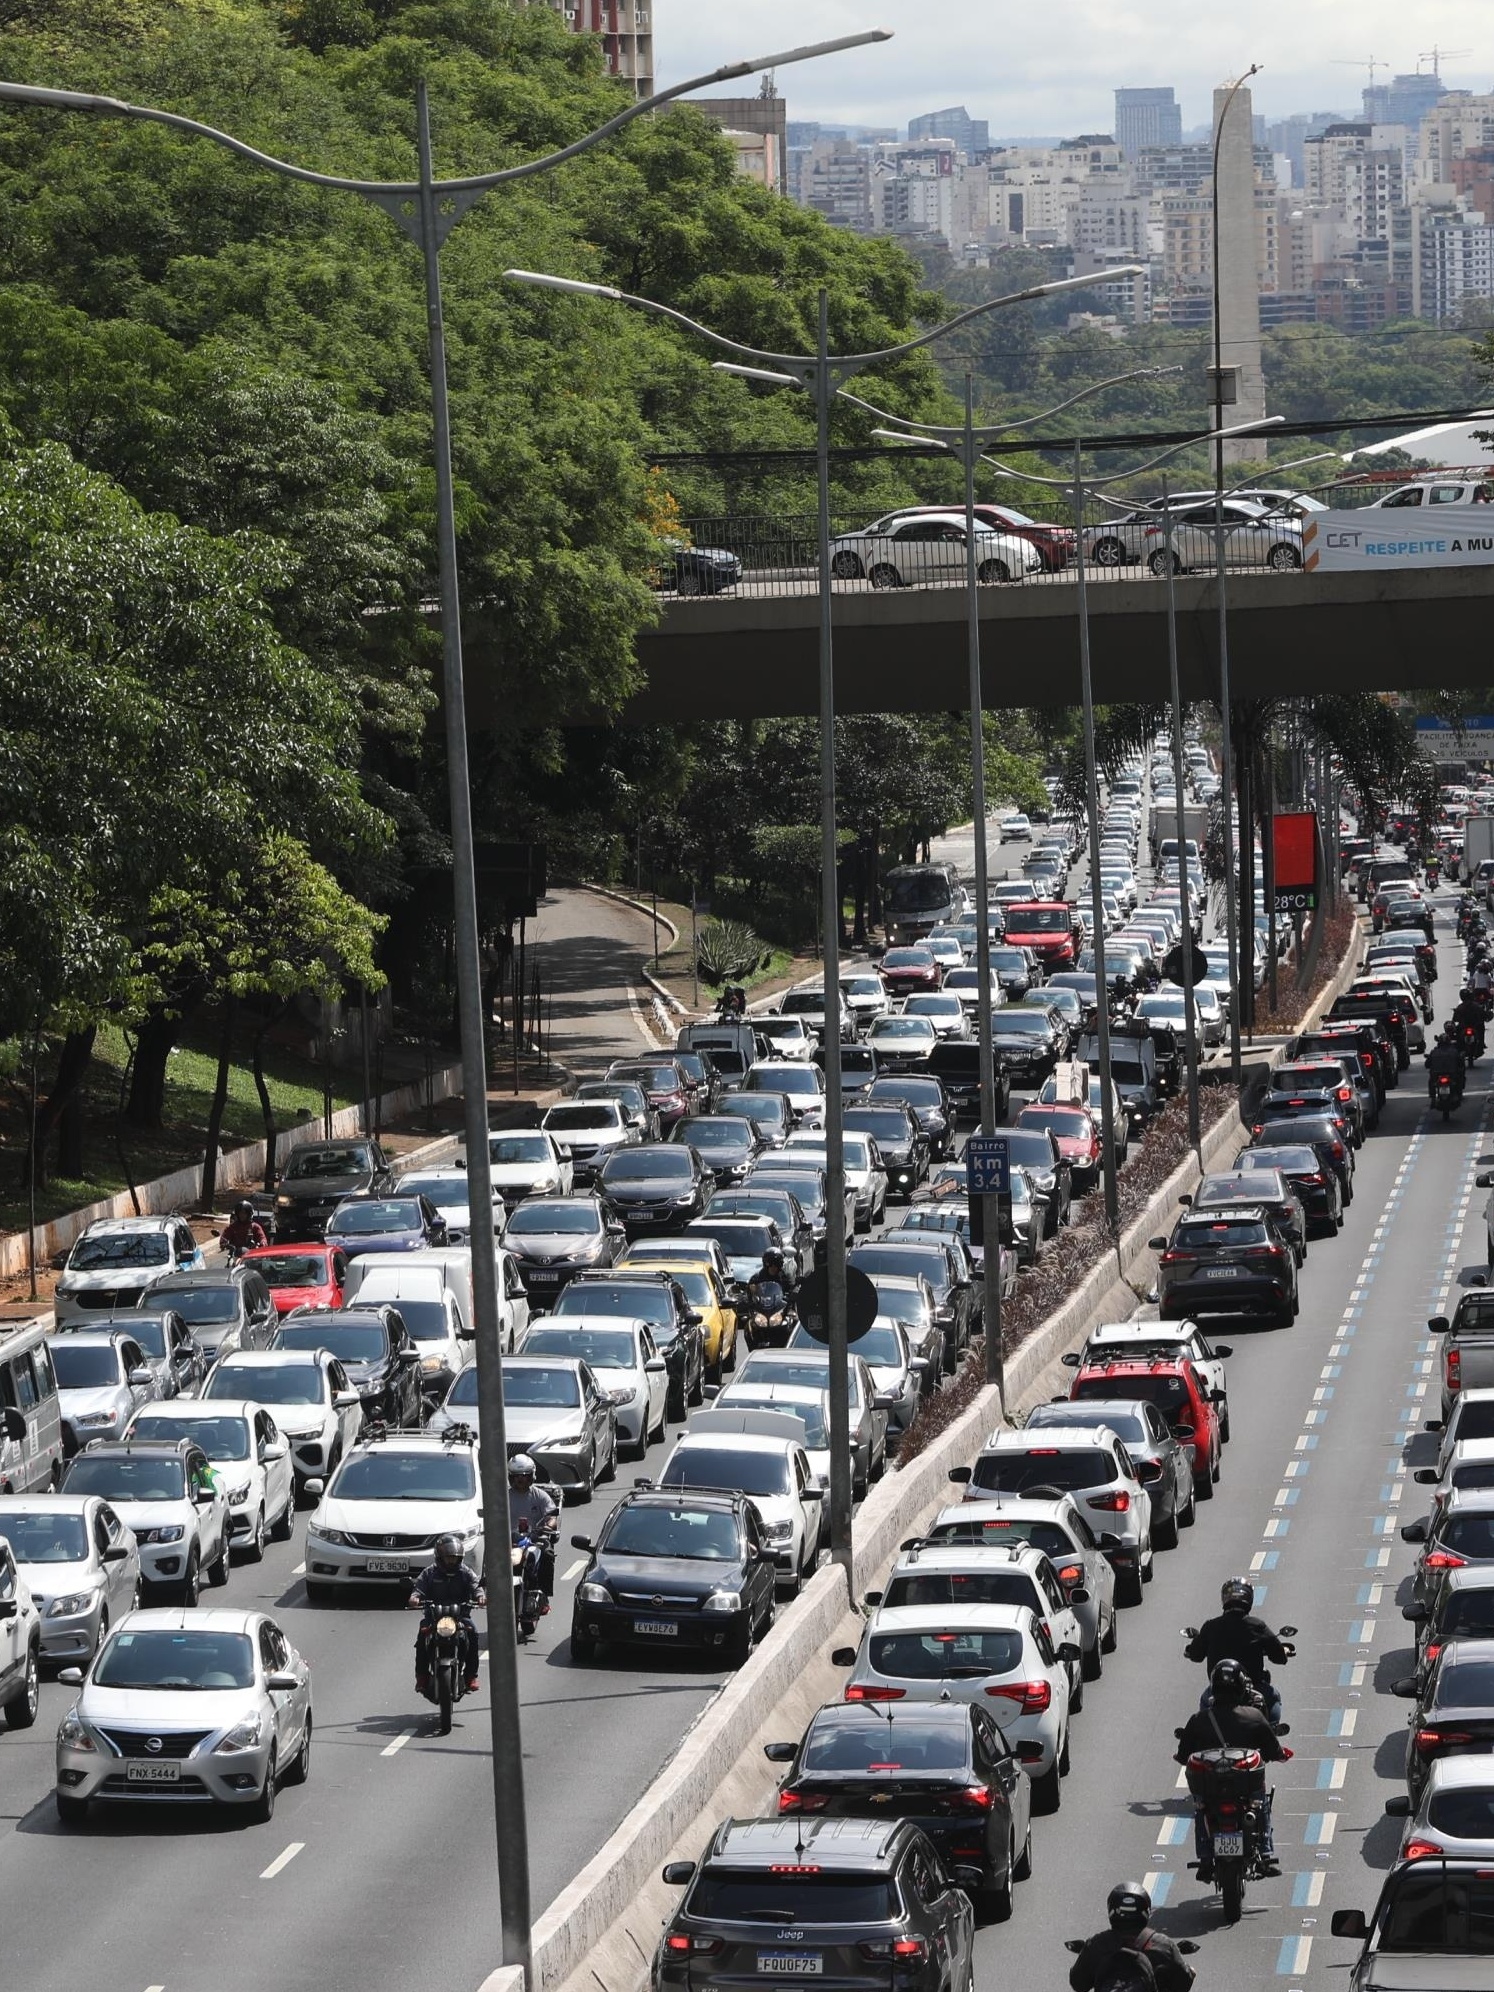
{"x": 575, "y": 1570}
{"x": 299, "y": 1571}
{"x": 393, "y": 1749}
{"x": 282, "y": 1860}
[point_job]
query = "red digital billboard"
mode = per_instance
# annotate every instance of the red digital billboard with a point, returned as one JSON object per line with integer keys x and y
{"x": 1294, "y": 846}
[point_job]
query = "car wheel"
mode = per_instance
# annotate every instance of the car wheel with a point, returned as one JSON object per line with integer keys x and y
{"x": 300, "y": 1767}
{"x": 1047, "y": 1792}
{"x": 254, "y": 1548}
{"x": 739, "y": 1647}
{"x": 1093, "y": 1664}
{"x": 1203, "y": 1486}
{"x": 318, "y": 1594}
{"x": 1128, "y": 1587}
{"x": 218, "y": 1568}
{"x": 1283, "y": 557}
{"x": 846, "y": 566}
{"x": 285, "y": 1523}
{"x": 611, "y": 1473}
{"x": 1023, "y": 1869}
{"x": 1064, "y": 1763}
{"x": 583, "y": 1647}
{"x": 1189, "y": 1515}
{"x": 192, "y": 1583}
{"x": 697, "y": 1393}
{"x": 996, "y": 1897}
{"x": 1108, "y": 553}
{"x": 688, "y": 582}
{"x": 993, "y": 570}
{"x": 20, "y": 1710}
{"x": 790, "y": 1587}
{"x": 1165, "y": 1534}
{"x": 71, "y": 1811}
{"x": 884, "y": 576}
{"x": 1076, "y": 1694}
{"x": 262, "y": 1810}
{"x": 1110, "y": 1639}
{"x": 1158, "y": 562}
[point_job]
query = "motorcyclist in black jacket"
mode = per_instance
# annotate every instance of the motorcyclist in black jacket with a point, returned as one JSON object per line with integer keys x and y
{"x": 1102, "y": 1959}
{"x": 447, "y": 1582}
{"x": 1446, "y": 1056}
{"x": 1232, "y": 1722}
{"x": 1237, "y": 1634}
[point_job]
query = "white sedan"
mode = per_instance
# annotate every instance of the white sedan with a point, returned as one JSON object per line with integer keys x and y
{"x": 903, "y": 549}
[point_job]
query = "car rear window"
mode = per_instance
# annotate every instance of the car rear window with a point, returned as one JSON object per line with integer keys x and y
{"x": 1476, "y": 1419}
{"x": 1046, "y": 1536}
{"x": 895, "y": 1746}
{"x": 1463, "y": 1815}
{"x": 1044, "y": 1466}
{"x": 1219, "y": 1231}
{"x": 945, "y": 1656}
{"x": 1168, "y": 1393}
{"x": 1432, "y": 1910}
{"x": 1467, "y": 1684}
{"x": 963, "y": 1587}
{"x": 1467, "y": 1615}
{"x": 800, "y": 1897}
{"x": 1471, "y": 1536}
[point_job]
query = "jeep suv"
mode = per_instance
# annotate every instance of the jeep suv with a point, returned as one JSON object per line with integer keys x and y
{"x": 165, "y": 1490}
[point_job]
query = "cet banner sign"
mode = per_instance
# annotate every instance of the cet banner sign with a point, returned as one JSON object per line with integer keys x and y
{"x": 1399, "y": 536}
{"x": 1470, "y": 739}
{"x": 1294, "y": 846}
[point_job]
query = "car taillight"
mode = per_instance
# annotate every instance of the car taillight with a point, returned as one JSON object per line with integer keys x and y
{"x": 1338, "y": 1151}
{"x": 1433, "y": 1650}
{"x": 1443, "y": 1559}
{"x": 1315, "y": 1177}
{"x": 1171, "y": 1258}
{"x": 1031, "y": 1697}
{"x": 898, "y": 1947}
{"x": 1258, "y": 1127}
{"x": 1070, "y": 1574}
{"x": 673, "y": 1943}
{"x": 979, "y": 1796}
{"x": 1114, "y": 1503}
{"x": 1454, "y": 1378}
{"x": 1420, "y": 1850}
{"x": 1344, "y": 1093}
{"x": 793, "y": 1801}
{"x": 866, "y": 1692}
{"x": 1429, "y": 1741}
{"x": 909, "y": 1947}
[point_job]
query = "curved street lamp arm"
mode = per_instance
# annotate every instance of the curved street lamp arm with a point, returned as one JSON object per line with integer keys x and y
{"x": 115, "y": 107}
{"x": 1119, "y": 476}
{"x": 860, "y": 360}
{"x": 933, "y": 431}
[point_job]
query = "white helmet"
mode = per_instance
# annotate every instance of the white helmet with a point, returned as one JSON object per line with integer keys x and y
{"x": 521, "y": 1467}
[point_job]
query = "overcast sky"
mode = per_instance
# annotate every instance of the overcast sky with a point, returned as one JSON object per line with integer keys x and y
{"x": 1051, "y": 69}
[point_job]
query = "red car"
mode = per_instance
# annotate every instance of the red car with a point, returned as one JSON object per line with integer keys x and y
{"x": 309, "y": 1275}
{"x": 1047, "y": 926}
{"x": 1054, "y": 543}
{"x": 1077, "y": 1133}
{"x": 1179, "y": 1392}
{"x": 910, "y": 971}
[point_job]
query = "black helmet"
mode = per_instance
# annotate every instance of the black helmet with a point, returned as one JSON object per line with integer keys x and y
{"x": 1128, "y": 1906}
{"x": 1228, "y": 1682}
{"x": 772, "y": 1257}
{"x": 1236, "y": 1594}
{"x": 448, "y": 1549}
{"x": 243, "y": 1208}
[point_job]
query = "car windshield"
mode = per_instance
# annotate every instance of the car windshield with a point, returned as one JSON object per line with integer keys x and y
{"x": 715, "y": 1134}
{"x": 1016, "y": 1022}
{"x": 912, "y": 1092}
{"x": 1070, "y": 1121}
{"x": 881, "y": 1345}
{"x": 640, "y": 1300}
{"x": 1433, "y": 1910}
{"x": 596, "y": 1116}
{"x": 349, "y": 1341}
{"x": 123, "y": 1478}
{"x": 1127, "y": 1425}
{"x": 205, "y": 1303}
{"x": 308, "y": 1162}
{"x": 963, "y": 1587}
{"x": 540, "y": 1385}
{"x": 295, "y": 1383}
{"x": 1043, "y": 1466}
{"x": 742, "y": 1468}
{"x": 45, "y": 1538}
{"x": 558, "y": 1217}
{"x": 186, "y": 1662}
{"x": 426, "y": 1320}
{"x": 397, "y": 1476}
{"x": 811, "y": 1412}
{"x": 220, "y": 1438}
{"x": 149, "y": 1330}
{"x": 686, "y": 1533}
{"x": 120, "y": 1248}
{"x": 861, "y": 985}
{"x": 902, "y": 1027}
{"x": 738, "y": 1236}
{"x": 946, "y": 1656}
{"x": 752, "y": 1107}
{"x": 603, "y": 1348}
{"x": 507, "y": 1150}
{"x": 446, "y": 1192}
{"x": 1002, "y": 1529}
{"x": 814, "y": 1374}
{"x": 647, "y": 1165}
{"x": 652, "y": 1078}
{"x": 1039, "y": 920}
{"x": 759, "y": 1896}
{"x": 905, "y": 1260}
{"x": 83, "y": 1369}
{"x": 887, "y": 1125}
{"x": 293, "y": 1269}
{"x": 696, "y": 1286}
{"x": 375, "y": 1220}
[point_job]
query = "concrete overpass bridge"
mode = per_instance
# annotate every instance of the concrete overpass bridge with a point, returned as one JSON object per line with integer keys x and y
{"x": 735, "y": 657}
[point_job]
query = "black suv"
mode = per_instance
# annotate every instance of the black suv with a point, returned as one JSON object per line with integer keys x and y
{"x": 373, "y": 1346}
{"x": 927, "y": 1101}
{"x": 642, "y": 1293}
{"x": 947, "y": 1768}
{"x": 864, "y": 1902}
{"x": 317, "y": 1179}
{"x": 905, "y": 1147}
{"x": 227, "y": 1307}
{"x": 683, "y": 1569}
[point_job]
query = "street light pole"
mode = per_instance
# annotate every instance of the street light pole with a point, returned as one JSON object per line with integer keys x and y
{"x": 427, "y": 209}
{"x": 1190, "y": 1041}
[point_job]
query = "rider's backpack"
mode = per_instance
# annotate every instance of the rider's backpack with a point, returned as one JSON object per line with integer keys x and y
{"x": 1127, "y": 1971}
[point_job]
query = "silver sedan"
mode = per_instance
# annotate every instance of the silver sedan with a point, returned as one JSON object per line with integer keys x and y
{"x": 80, "y": 1564}
{"x": 187, "y": 1708}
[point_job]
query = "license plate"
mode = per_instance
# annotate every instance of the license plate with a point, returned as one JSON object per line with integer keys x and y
{"x": 153, "y": 1774}
{"x": 662, "y": 1628}
{"x": 791, "y": 1964}
{"x": 1229, "y": 1844}
{"x": 544, "y": 1279}
{"x": 387, "y": 1566}
{"x": 1221, "y": 1272}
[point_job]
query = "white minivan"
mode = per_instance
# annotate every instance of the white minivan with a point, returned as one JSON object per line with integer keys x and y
{"x": 30, "y": 1414}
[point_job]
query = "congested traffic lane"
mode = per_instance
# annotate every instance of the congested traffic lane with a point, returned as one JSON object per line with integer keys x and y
{"x": 1314, "y": 1487}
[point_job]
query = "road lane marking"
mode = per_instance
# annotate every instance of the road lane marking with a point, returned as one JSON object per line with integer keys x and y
{"x": 1174, "y": 1832}
{"x": 1320, "y": 1829}
{"x": 1158, "y": 1885}
{"x": 393, "y": 1749}
{"x": 1291, "y": 1959}
{"x": 575, "y": 1570}
{"x": 299, "y": 1571}
{"x": 282, "y": 1860}
{"x": 1361, "y": 1632}
{"x": 1307, "y": 1889}
{"x": 1331, "y": 1773}
{"x": 1342, "y": 1722}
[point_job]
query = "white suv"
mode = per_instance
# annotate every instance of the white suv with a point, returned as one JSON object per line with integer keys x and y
{"x": 166, "y": 1491}
{"x": 118, "y": 1260}
{"x": 20, "y": 1645}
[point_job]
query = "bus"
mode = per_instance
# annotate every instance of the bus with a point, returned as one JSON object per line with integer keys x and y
{"x": 918, "y": 898}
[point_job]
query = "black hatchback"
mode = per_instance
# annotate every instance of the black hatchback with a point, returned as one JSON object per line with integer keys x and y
{"x": 1306, "y": 1174}
{"x": 863, "y": 1905}
{"x": 373, "y": 1346}
{"x": 945, "y": 1766}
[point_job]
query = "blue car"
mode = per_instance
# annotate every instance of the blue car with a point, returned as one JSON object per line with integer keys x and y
{"x": 368, "y": 1224}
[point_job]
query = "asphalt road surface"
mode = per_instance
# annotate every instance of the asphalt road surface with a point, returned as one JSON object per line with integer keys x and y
{"x": 590, "y": 951}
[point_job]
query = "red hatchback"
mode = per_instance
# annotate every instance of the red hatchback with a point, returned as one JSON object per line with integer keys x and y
{"x": 1180, "y": 1393}
{"x": 1077, "y": 1133}
{"x": 310, "y": 1275}
{"x": 910, "y": 971}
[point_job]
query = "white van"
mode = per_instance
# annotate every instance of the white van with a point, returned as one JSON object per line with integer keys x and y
{"x": 454, "y": 1264}
{"x": 30, "y": 1415}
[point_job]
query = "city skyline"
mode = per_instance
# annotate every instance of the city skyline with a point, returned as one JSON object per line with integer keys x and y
{"x": 1066, "y": 82}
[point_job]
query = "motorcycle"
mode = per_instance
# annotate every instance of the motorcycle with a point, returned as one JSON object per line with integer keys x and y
{"x": 1185, "y": 1946}
{"x": 1228, "y": 1787}
{"x": 444, "y": 1631}
{"x": 1434, "y": 877}
{"x": 1445, "y": 1093}
{"x": 529, "y": 1591}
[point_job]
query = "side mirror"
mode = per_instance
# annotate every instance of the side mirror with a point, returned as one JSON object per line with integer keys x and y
{"x": 1157, "y": 1244}
{"x": 1071, "y": 1360}
{"x": 140, "y": 1379}
{"x": 1404, "y": 1689}
{"x": 343, "y": 1398}
{"x": 282, "y": 1683}
{"x": 1484, "y": 1182}
{"x": 1184, "y": 1434}
{"x": 1069, "y": 1651}
{"x": 1186, "y": 1946}
{"x": 1075, "y": 1944}
{"x": 71, "y": 1676}
{"x": 1348, "y": 1923}
{"x": 1186, "y": 1198}
{"x": 874, "y": 1597}
{"x": 1439, "y": 1324}
{"x": 656, "y": 1366}
{"x": 1425, "y": 1476}
{"x": 780, "y": 1753}
{"x": 272, "y": 1451}
{"x": 1433, "y": 1425}
{"x": 116, "y": 1552}
{"x": 960, "y": 1475}
{"x": 1223, "y": 1350}
{"x": 582, "y": 1542}
{"x": 843, "y": 1656}
{"x": 883, "y": 1400}
{"x": 679, "y": 1874}
{"x": 1414, "y": 1532}
{"x": 8, "y": 1608}
{"x": 1398, "y": 1808}
{"x": 1107, "y": 1541}
{"x": 315, "y": 1486}
{"x": 1414, "y": 1614}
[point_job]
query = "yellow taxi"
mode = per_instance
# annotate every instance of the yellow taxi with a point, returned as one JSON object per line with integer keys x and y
{"x": 707, "y": 1290}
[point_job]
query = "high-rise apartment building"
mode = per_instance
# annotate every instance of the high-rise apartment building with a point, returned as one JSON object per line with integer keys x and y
{"x": 1146, "y": 117}
{"x": 1403, "y": 100}
{"x": 970, "y": 135}
{"x": 626, "y": 30}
